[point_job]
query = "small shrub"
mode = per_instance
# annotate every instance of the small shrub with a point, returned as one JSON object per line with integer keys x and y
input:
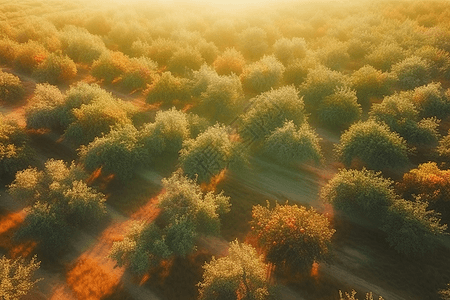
{"x": 161, "y": 50}
{"x": 292, "y": 236}
{"x": 11, "y": 89}
{"x": 340, "y": 109}
{"x": 374, "y": 144}
{"x": 347, "y": 296}
{"x": 297, "y": 70}
{"x": 289, "y": 144}
{"x": 230, "y": 61}
{"x": 55, "y": 69}
{"x": 412, "y": 72}
{"x": 411, "y": 229}
{"x": 262, "y": 75}
{"x": 438, "y": 60}
{"x": 334, "y": 55}
{"x": 360, "y": 194}
{"x": 269, "y": 111}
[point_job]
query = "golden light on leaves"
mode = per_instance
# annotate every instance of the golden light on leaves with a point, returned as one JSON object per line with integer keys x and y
{"x": 8, "y": 226}
{"x": 211, "y": 186}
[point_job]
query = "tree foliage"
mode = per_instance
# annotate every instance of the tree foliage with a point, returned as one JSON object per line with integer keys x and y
{"x": 374, "y": 144}
{"x": 59, "y": 200}
{"x": 359, "y": 194}
{"x": 269, "y": 111}
{"x": 292, "y": 236}
{"x": 187, "y": 212}
{"x": 11, "y": 89}
{"x": 239, "y": 275}
{"x": 290, "y": 144}
{"x": 262, "y": 75}
{"x": 16, "y": 277}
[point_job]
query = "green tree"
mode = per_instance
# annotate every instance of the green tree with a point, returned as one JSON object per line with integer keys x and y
{"x": 340, "y": 109}
{"x": 412, "y": 72}
{"x": 59, "y": 199}
{"x": 11, "y": 89}
{"x": 239, "y": 275}
{"x": 292, "y": 236}
{"x": 374, "y": 144}
{"x": 16, "y": 277}
{"x": 290, "y": 144}
{"x": 262, "y": 75}
{"x": 186, "y": 213}
{"x": 269, "y": 111}
{"x": 411, "y": 229}
{"x": 15, "y": 152}
{"x": 359, "y": 194}
{"x": 209, "y": 153}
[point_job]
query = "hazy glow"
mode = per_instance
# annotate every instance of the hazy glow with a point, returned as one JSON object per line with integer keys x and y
{"x": 227, "y": 4}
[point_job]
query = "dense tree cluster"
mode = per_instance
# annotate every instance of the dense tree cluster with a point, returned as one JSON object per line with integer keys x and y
{"x": 186, "y": 213}
{"x": 59, "y": 199}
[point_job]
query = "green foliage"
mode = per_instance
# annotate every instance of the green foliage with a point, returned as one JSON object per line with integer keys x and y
{"x": 17, "y": 277}
{"x": 438, "y": 60}
{"x": 15, "y": 152}
{"x": 320, "y": 82}
{"x": 185, "y": 59}
{"x": 59, "y": 199}
{"x": 289, "y": 144}
{"x": 253, "y": 42}
{"x": 11, "y": 89}
{"x": 411, "y": 228}
{"x": 287, "y": 50}
{"x": 29, "y": 56}
{"x": 334, "y": 54}
{"x": 262, "y": 75}
{"x": 210, "y": 153}
{"x": 359, "y": 194}
{"x": 222, "y": 99}
{"x": 374, "y": 144}
{"x": 80, "y": 45}
{"x": 184, "y": 202}
{"x": 385, "y": 55}
{"x": 292, "y": 236}
{"x": 115, "y": 152}
{"x": 269, "y": 111}
{"x": 230, "y": 61}
{"x": 109, "y": 66}
{"x": 412, "y": 72}
{"x": 138, "y": 74}
{"x": 172, "y": 127}
{"x": 168, "y": 89}
{"x": 443, "y": 148}
{"x": 186, "y": 211}
{"x": 340, "y": 109}
{"x": 8, "y": 51}
{"x": 55, "y": 69}
{"x": 161, "y": 50}
{"x": 401, "y": 115}
{"x": 239, "y": 275}
{"x": 370, "y": 82}
{"x": 297, "y": 70}
{"x": 96, "y": 118}
{"x": 431, "y": 101}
